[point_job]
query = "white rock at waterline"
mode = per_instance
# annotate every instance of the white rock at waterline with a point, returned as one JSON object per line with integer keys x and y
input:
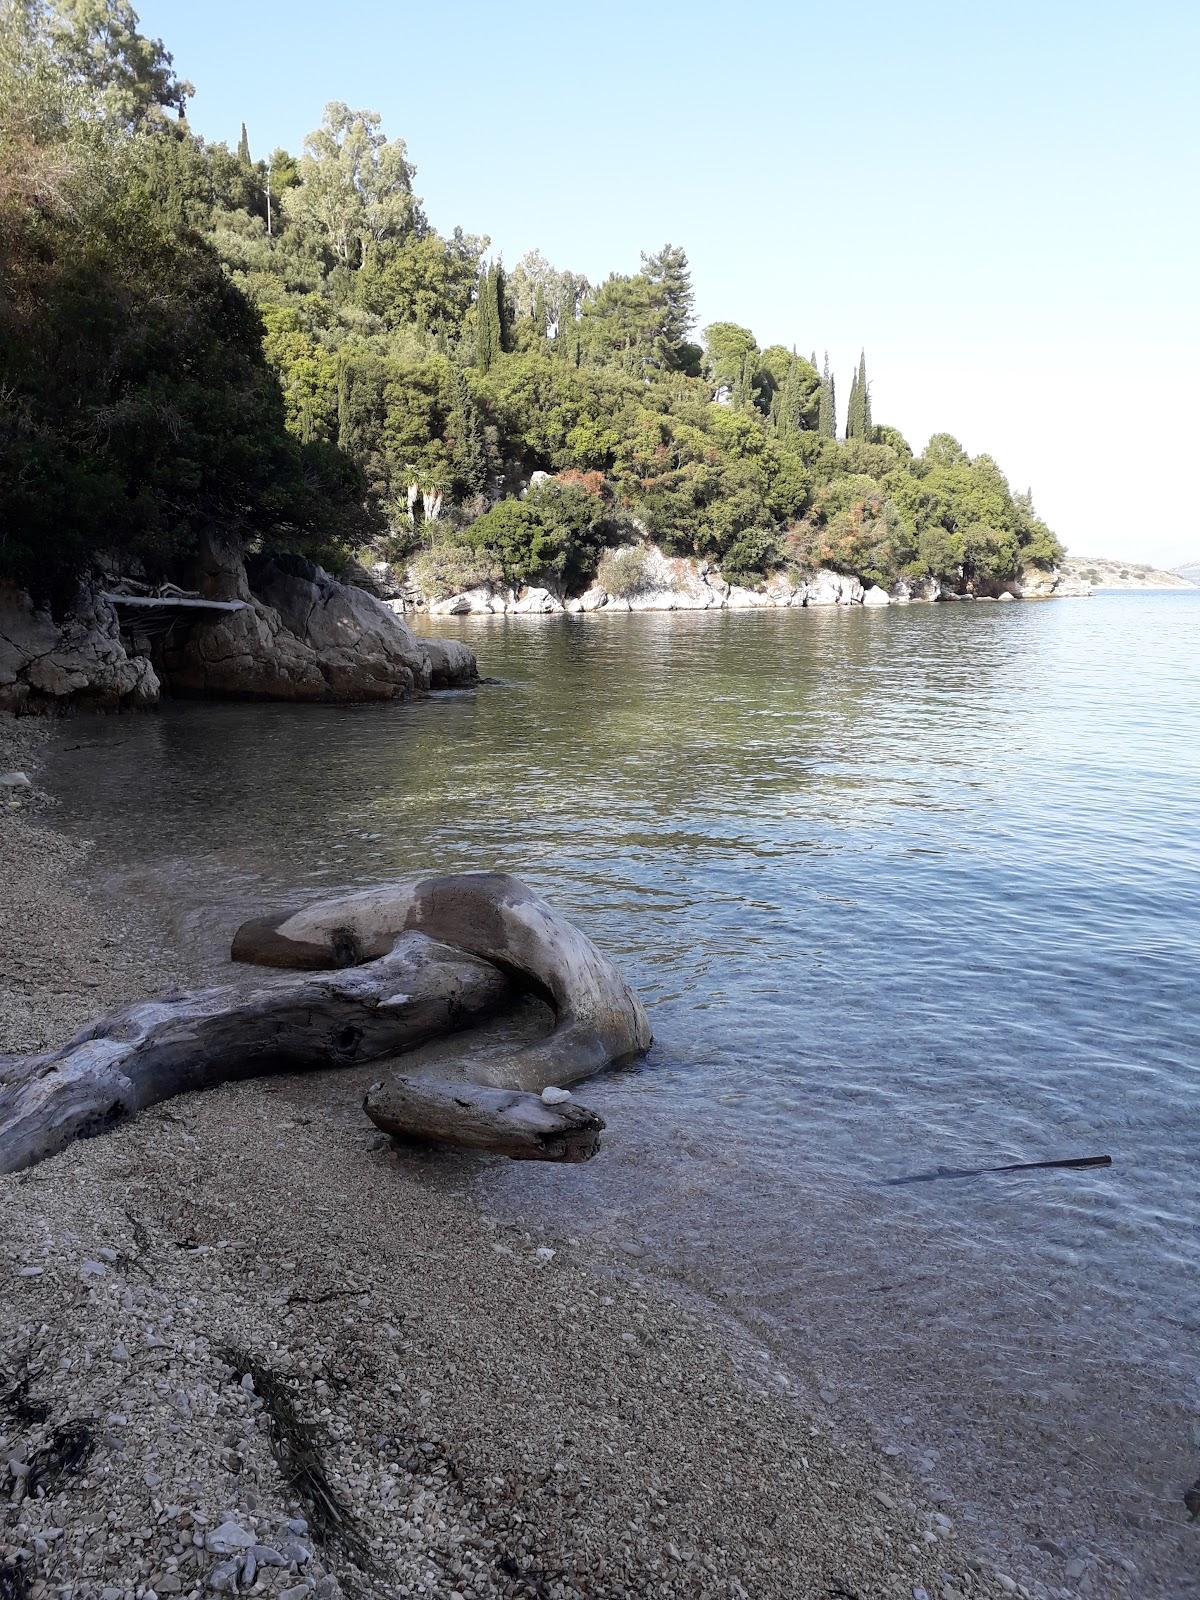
{"x": 555, "y": 1097}
{"x": 875, "y": 596}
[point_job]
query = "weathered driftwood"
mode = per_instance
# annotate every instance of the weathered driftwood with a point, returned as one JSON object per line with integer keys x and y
{"x": 399, "y": 965}
{"x": 419, "y": 990}
{"x": 599, "y": 1019}
{"x": 505, "y": 1121}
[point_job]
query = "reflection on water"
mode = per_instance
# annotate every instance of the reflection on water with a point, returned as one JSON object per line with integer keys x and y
{"x": 901, "y": 890}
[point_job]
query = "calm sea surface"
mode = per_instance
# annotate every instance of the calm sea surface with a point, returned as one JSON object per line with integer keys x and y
{"x": 904, "y": 889}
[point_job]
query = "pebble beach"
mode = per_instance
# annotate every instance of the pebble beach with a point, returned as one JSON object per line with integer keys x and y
{"x": 249, "y": 1346}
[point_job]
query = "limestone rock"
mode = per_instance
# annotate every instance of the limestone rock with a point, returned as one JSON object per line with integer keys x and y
{"x": 451, "y": 664}
{"x": 593, "y": 598}
{"x": 471, "y": 602}
{"x": 302, "y": 636}
{"x": 875, "y": 596}
{"x": 47, "y": 666}
{"x": 828, "y": 588}
{"x": 363, "y": 649}
{"x": 534, "y": 602}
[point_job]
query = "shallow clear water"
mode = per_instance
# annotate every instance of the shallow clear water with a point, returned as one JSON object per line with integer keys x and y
{"x": 902, "y": 889}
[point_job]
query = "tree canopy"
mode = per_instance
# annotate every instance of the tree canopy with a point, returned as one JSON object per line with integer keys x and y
{"x": 287, "y": 347}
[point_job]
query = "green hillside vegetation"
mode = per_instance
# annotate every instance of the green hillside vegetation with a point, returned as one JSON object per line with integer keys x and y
{"x": 285, "y": 348}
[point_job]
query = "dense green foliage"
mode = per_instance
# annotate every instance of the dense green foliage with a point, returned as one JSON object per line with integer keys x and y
{"x": 288, "y": 346}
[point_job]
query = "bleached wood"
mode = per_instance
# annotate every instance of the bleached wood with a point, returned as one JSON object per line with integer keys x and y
{"x": 504, "y": 1121}
{"x": 418, "y": 991}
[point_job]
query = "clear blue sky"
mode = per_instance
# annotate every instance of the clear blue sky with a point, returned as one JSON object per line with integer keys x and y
{"x": 998, "y": 201}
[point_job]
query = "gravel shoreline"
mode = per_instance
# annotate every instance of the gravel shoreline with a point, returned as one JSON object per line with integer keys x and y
{"x": 247, "y": 1346}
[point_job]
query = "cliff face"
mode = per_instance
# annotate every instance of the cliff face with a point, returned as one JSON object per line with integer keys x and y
{"x": 292, "y": 632}
{"x": 667, "y": 583}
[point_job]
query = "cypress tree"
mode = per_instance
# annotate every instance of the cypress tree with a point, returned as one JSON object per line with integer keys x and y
{"x": 486, "y": 328}
{"x": 749, "y": 380}
{"x": 827, "y": 408}
{"x": 564, "y": 331}
{"x": 854, "y": 411}
{"x": 539, "y": 311}
{"x": 244, "y": 148}
{"x": 470, "y": 461}
{"x": 864, "y": 396}
{"x": 500, "y": 309}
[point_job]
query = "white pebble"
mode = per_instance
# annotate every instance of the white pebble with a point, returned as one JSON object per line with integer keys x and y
{"x": 555, "y": 1097}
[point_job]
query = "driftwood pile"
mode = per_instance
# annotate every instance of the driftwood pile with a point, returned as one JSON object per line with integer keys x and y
{"x": 374, "y": 974}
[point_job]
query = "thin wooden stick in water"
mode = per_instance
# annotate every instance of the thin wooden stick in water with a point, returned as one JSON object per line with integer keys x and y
{"x": 1015, "y": 1166}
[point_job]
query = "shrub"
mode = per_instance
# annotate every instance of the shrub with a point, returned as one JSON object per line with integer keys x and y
{"x": 624, "y": 573}
{"x": 450, "y": 568}
{"x": 750, "y": 556}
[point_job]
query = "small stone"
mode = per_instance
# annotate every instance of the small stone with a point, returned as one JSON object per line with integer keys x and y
{"x": 15, "y": 780}
{"x": 1076, "y": 1569}
{"x": 297, "y": 1592}
{"x": 30, "y": 1272}
{"x": 544, "y": 1253}
{"x": 249, "y": 1568}
{"x": 92, "y": 1269}
{"x": 296, "y": 1525}
{"x": 555, "y": 1097}
{"x": 1006, "y": 1583}
{"x": 107, "y": 1253}
{"x": 228, "y": 1538}
{"x": 120, "y": 1352}
{"x": 267, "y": 1556}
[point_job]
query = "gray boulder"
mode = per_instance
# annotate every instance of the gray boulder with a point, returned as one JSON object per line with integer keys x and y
{"x": 48, "y": 666}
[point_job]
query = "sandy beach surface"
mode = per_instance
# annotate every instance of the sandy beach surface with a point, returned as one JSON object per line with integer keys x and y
{"x": 248, "y": 1346}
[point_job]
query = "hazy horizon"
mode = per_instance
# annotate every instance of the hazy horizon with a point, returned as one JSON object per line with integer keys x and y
{"x": 990, "y": 204}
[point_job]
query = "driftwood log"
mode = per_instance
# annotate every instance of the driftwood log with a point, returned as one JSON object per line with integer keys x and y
{"x": 598, "y": 1018}
{"x": 521, "y": 1126}
{"x": 398, "y": 966}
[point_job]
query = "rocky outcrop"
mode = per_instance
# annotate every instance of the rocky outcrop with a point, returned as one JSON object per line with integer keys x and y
{"x": 669, "y": 583}
{"x": 301, "y": 635}
{"x": 47, "y": 666}
{"x": 875, "y": 596}
{"x": 1053, "y": 583}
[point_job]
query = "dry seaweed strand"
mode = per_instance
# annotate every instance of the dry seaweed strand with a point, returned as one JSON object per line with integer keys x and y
{"x": 295, "y": 1446}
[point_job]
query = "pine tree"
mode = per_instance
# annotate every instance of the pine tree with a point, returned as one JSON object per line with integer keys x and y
{"x": 244, "y": 148}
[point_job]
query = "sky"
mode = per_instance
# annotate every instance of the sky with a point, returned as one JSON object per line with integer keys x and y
{"x": 998, "y": 202}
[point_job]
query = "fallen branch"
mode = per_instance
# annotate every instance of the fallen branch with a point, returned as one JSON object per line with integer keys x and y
{"x": 1015, "y": 1166}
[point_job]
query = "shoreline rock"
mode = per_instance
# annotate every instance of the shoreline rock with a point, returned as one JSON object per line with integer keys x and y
{"x": 675, "y": 583}
{"x": 298, "y": 634}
